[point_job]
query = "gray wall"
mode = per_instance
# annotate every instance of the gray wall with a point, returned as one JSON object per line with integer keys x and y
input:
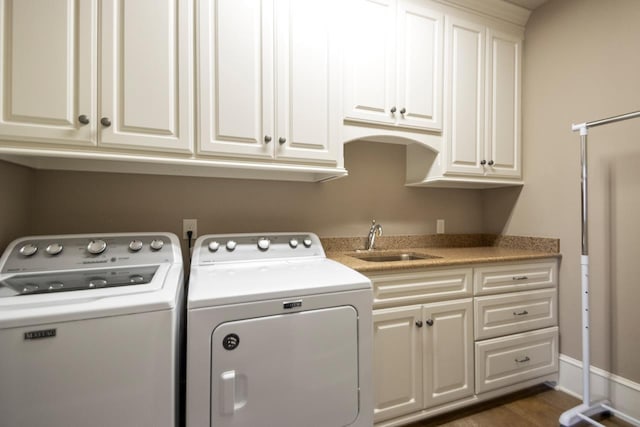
{"x": 79, "y": 202}
{"x": 582, "y": 63}
{"x": 16, "y": 194}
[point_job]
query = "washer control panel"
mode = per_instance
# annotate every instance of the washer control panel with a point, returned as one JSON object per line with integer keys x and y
{"x": 255, "y": 247}
{"x": 55, "y": 253}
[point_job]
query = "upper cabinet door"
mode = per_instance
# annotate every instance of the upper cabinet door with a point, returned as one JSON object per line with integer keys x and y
{"x": 370, "y": 62}
{"x": 308, "y": 79}
{"x": 504, "y": 59}
{"x": 236, "y": 77}
{"x": 47, "y": 78}
{"x": 464, "y": 128}
{"x": 420, "y": 33}
{"x": 146, "y": 73}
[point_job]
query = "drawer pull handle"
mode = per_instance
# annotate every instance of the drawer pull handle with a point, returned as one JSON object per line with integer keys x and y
{"x": 526, "y": 359}
{"x": 519, "y": 278}
{"x": 522, "y": 313}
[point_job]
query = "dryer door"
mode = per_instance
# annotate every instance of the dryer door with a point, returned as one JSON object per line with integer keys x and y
{"x": 295, "y": 369}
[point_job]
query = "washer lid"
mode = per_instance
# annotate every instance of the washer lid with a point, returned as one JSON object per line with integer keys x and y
{"x": 234, "y": 283}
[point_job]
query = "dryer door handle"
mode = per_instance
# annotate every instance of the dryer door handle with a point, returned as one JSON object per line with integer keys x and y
{"x": 228, "y": 392}
{"x": 233, "y": 392}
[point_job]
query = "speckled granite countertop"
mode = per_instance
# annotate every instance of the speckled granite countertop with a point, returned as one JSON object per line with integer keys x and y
{"x": 446, "y": 250}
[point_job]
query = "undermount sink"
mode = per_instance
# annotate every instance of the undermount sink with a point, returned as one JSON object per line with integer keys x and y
{"x": 393, "y": 257}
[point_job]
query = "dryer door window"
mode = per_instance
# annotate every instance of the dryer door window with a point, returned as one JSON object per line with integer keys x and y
{"x": 296, "y": 369}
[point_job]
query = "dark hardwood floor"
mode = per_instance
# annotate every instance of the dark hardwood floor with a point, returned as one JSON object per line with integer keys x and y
{"x": 534, "y": 407}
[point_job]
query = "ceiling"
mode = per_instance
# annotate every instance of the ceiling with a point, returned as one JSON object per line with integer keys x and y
{"x": 528, "y": 4}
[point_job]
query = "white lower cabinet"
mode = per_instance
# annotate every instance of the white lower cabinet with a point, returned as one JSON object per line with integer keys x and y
{"x": 448, "y": 355}
{"x": 423, "y": 357}
{"x": 397, "y": 361}
{"x": 509, "y": 360}
{"x": 438, "y": 346}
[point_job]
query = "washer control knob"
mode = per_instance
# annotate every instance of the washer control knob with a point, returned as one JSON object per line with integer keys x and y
{"x": 156, "y": 244}
{"x": 293, "y": 243}
{"x": 56, "y": 286}
{"x": 307, "y": 243}
{"x": 263, "y": 243}
{"x": 54, "y": 249}
{"x": 231, "y": 245}
{"x": 214, "y": 246}
{"x": 135, "y": 245}
{"x": 30, "y": 287}
{"x": 97, "y": 283}
{"x": 28, "y": 249}
{"x": 135, "y": 279}
{"x": 96, "y": 247}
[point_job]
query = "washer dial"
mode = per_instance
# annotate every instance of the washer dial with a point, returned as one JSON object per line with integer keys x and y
{"x": 28, "y": 249}
{"x": 96, "y": 247}
{"x": 135, "y": 245}
{"x": 263, "y": 243}
{"x": 156, "y": 244}
{"x": 54, "y": 249}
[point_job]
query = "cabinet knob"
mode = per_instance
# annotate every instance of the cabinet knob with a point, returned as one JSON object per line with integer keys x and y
{"x": 105, "y": 122}
{"x": 483, "y": 162}
{"x": 490, "y": 162}
{"x": 403, "y": 110}
{"x": 419, "y": 323}
{"x": 83, "y": 119}
{"x": 282, "y": 140}
{"x": 267, "y": 139}
{"x": 429, "y": 322}
{"x": 393, "y": 110}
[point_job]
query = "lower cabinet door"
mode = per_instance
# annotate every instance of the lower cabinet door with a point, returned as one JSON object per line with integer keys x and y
{"x": 448, "y": 351}
{"x": 397, "y": 361}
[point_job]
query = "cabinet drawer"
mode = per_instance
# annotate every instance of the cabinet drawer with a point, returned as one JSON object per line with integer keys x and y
{"x": 505, "y": 361}
{"x": 420, "y": 286}
{"x": 505, "y": 314}
{"x": 515, "y": 277}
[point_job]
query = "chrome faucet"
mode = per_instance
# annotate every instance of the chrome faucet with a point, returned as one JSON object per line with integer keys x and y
{"x": 371, "y": 240}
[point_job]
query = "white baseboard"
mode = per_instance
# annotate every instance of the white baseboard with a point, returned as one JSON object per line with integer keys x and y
{"x": 621, "y": 392}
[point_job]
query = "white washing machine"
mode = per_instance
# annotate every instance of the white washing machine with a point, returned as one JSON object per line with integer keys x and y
{"x": 277, "y": 335}
{"x": 90, "y": 330}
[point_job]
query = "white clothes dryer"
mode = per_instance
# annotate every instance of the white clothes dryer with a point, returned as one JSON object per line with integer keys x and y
{"x": 277, "y": 335}
{"x": 90, "y": 330}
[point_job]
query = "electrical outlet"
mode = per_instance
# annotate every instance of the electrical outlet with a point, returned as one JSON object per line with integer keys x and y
{"x": 440, "y": 226}
{"x": 189, "y": 225}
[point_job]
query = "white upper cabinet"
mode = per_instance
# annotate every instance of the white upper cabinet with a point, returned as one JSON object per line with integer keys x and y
{"x": 504, "y": 58}
{"x": 269, "y": 79}
{"x": 464, "y": 129}
{"x": 236, "y": 77}
{"x": 394, "y": 64}
{"x": 481, "y": 134}
{"x": 145, "y": 85}
{"x": 419, "y": 66}
{"x": 50, "y": 87}
{"x": 48, "y": 76}
{"x": 308, "y": 79}
{"x": 483, "y": 110}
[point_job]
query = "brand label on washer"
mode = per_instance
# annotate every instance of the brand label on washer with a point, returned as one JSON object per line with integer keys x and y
{"x": 291, "y": 304}
{"x": 36, "y": 335}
